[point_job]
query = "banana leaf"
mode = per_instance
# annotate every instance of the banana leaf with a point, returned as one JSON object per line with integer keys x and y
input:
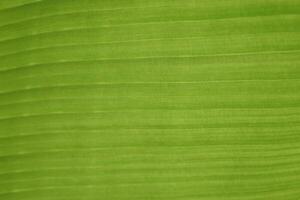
{"x": 149, "y": 100}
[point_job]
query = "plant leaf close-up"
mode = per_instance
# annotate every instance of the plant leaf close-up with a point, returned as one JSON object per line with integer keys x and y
{"x": 149, "y": 99}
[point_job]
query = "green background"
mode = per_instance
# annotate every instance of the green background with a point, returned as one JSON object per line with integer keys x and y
{"x": 149, "y": 100}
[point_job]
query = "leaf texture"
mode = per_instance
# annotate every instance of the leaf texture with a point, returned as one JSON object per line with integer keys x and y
{"x": 149, "y": 100}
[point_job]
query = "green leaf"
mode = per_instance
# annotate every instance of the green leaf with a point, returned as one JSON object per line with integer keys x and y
{"x": 149, "y": 100}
